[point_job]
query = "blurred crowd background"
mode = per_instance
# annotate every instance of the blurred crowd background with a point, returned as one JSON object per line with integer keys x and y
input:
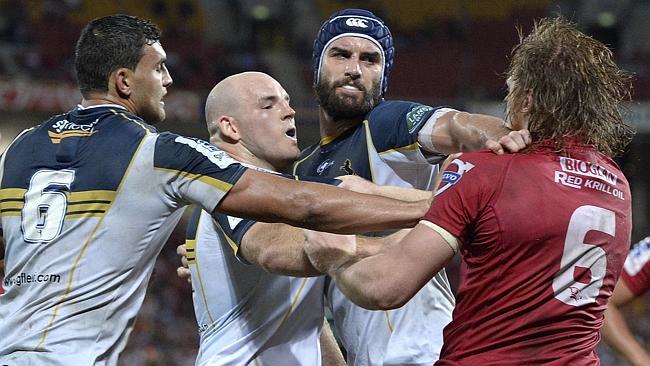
{"x": 448, "y": 52}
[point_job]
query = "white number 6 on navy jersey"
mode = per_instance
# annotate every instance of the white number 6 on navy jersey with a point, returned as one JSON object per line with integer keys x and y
{"x": 45, "y": 205}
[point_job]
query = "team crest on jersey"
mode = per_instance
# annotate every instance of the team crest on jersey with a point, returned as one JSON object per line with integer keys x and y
{"x": 347, "y": 167}
{"x": 453, "y": 174}
{"x": 324, "y": 166}
{"x": 63, "y": 128}
{"x": 415, "y": 116}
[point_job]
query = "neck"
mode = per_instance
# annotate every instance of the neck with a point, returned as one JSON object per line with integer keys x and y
{"x": 329, "y": 127}
{"x": 95, "y": 99}
{"x": 243, "y": 155}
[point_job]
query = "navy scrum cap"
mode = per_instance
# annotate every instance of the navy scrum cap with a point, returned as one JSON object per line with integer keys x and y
{"x": 356, "y": 23}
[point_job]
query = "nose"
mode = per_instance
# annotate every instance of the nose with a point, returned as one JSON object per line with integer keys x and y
{"x": 167, "y": 78}
{"x": 287, "y": 111}
{"x": 353, "y": 69}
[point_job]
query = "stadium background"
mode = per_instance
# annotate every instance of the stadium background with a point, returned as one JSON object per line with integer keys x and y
{"x": 448, "y": 52}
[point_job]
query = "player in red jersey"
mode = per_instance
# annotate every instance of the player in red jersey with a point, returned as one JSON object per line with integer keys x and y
{"x": 543, "y": 233}
{"x": 634, "y": 282}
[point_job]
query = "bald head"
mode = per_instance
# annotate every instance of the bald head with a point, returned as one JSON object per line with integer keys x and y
{"x": 229, "y": 96}
{"x": 249, "y": 116}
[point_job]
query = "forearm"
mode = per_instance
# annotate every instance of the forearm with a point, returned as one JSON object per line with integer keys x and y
{"x": 265, "y": 197}
{"x": 461, "y": 131}
{"x": 404, "y": 194}
{"x": 618, "y": 336}
{"x": 330, "y": 352}
{"x": 277, "y": 248}
{"x": 390, "y": 278}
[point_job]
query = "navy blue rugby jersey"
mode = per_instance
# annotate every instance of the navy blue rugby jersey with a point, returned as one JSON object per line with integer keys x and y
{"x": 383, "y": 149}
{"x": 87, "y": 200}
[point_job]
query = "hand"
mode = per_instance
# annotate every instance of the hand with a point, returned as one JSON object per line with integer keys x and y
{"x": 356, "y": 184}
{"x": 513, "y": 142}
{"x": 184, "y": 270}
{"x": 327, "y": 252}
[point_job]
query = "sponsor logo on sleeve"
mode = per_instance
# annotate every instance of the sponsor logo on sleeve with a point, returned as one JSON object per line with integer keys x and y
{"x": 415, "y": 116}
{"x": 453, "y": 174}
{"x": 216, "y": 156}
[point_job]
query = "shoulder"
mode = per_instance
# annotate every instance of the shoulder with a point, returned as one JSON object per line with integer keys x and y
{"x": 478, "y": 169}
{"x": 171, "y": 147}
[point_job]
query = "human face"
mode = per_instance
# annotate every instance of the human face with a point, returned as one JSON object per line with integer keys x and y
{"x": 149, "y": 84}
{"x": 349, "y": 85}
{"x": 267, "y": 125}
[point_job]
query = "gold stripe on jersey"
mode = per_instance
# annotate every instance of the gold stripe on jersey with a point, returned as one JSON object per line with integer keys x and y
{"x": 190, "y": 249}
{"x": 12, "y": 201}
{"x": 83, "y": 250}
{"x": 57, "y": 137}
{"x": 89, "y": 203}
{"x": 297, "y": 163}
{"x": 12, "y": 193}
{"x": 100, "y": 195}
{"x": 295, "y": 300}
{"x": 388, "y": 322}
{"x": 198, "y": 271}
{"x": 411, "y": 147}
{"x": 369, "y": 143}
{"x": 219, "y": 184}
{"x": 121, "y": 114}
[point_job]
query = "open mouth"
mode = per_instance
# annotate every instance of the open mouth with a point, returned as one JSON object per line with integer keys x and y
{"x": 291, "y": 133}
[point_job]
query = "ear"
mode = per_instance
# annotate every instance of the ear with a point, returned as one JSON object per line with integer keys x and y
{"x": 122, "y": 81}
{"x": 228, "y": 128}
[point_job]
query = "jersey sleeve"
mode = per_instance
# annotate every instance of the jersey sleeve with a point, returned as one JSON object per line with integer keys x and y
{"x": 396, "y": 123}
{"x": 234, "y": 228}
{"x": 196, "y": 171}
{"x": 468, "y": 184}
{"x": 230, "y": 228}
{"x": 636, "y": 270}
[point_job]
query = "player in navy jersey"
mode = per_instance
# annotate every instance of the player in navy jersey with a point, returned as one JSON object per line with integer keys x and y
{"x": 393, "y": 143}
{"x": 88, "y": 198}
{"x": 543, "y": 233}
{"x": 247, "y": 311}
{"x": 633, "y": 283}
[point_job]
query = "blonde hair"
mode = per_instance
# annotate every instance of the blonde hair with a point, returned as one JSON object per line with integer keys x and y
{"x": 576, "y": 87}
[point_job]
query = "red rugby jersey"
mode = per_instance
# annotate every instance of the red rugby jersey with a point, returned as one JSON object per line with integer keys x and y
{"x": 544, "y": 238}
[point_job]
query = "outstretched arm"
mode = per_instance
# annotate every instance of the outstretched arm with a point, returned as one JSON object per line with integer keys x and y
{"x": 277, "y": 248}
{"x": 267, "y": 197}
{"x": 616, "y": 332}
{"x": 388, "y": 279}
{"x": 358, "y": 184}
{"x": 456, "y": 131}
